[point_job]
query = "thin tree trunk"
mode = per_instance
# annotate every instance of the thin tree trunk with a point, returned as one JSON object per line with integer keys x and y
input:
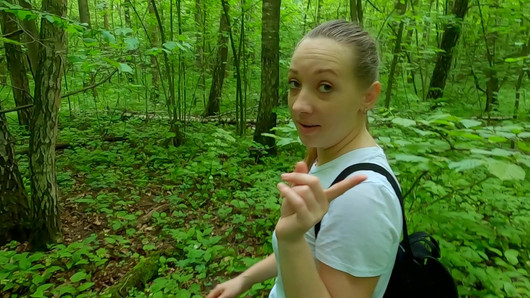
{"x": 216, "y": 88}
{"x": 353, "y": 11}
{"x": 14, "y": 204}
{"x": 319, "y": 11}
{"x": 30, "y": 38}
{"x": 127, "y": 14}
{"x": 492, "y": 84}
{"x": 16, "y": 67}
{"x": 44, "y": 125}
{"x": 401, "y": 8}
{"x": 84, "y": 12}
{"x": 360, "y": 12}
{"x": 153, "y": 32}
{"x": 269, "y": 73}
{"x": 174, "y": 125}
{"x": 106, "y": 16}
{"x": 524, "y": 52}
{"x": 449, "y": 40}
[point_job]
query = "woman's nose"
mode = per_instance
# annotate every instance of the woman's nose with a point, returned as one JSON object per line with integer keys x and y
{"x": 302, "y": 102}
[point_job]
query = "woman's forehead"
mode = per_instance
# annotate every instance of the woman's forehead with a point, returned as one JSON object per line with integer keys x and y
{"x": 318, "y": 53}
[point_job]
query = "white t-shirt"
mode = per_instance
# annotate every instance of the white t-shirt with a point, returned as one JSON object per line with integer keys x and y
{"x": 361, "y": 231}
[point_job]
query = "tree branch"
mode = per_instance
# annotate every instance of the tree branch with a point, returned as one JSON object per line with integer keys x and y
{"x": 89, "y": 87}
{"x": 16, "y": 109}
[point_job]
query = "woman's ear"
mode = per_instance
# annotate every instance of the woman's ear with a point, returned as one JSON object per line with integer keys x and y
{"x": 371, "y": 94}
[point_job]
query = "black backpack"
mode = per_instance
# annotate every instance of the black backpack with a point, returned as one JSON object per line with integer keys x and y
{"x": 417, "y": 271}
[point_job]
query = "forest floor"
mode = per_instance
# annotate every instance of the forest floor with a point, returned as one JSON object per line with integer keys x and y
{"x": 160, "y": 221}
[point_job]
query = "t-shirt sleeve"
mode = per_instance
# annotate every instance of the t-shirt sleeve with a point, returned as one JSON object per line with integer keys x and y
{"x": 361, "y": 231}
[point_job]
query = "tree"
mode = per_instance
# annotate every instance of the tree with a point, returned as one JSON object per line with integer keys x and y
{"x": 356, "y": 11}
{"x": 30, "y": 38}
{"x": 445, "y": 57}
{"x": 16, "y": 66}
{"x": 401, "y": 7}
{"x": 269, "y": 72}
{"x": 84, "y": 12}
{"x": 14, "y": 204}
{"x": 219, "y": 70}
{"x": 43, "y": 127}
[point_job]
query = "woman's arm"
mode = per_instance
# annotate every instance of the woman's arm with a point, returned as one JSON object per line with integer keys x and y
{"x": 259, "y": 272}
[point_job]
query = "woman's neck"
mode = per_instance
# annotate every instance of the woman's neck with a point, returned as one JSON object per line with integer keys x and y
{"x": 355, "y": 140}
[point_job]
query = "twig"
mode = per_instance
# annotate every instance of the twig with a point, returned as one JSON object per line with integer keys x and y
{"x": 16, "y": 109}
{"x": 89, "y": 87}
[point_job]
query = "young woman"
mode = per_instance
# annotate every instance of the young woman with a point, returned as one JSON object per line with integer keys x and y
{"x": 333, "y": 80}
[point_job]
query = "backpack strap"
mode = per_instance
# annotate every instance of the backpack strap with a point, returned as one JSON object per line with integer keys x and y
{"x": 382, "y": 171}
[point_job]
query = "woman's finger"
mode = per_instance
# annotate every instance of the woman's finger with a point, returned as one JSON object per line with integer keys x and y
{"x": 341, "y": 187}
{"x": 215, "y": 292}
{"x": 293, "y": 199}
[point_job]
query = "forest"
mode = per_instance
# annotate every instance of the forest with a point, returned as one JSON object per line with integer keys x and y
{"x": 141, "y": 141}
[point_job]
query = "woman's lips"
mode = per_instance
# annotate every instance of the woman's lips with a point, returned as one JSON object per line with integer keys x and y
{"x": 307, "y": 128}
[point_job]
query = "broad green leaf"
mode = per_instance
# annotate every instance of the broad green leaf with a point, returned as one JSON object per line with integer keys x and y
{"x": 511, "y": 256}
{"x": 465, "y": 164}
{"x": 523, "y": 146}
{"x": 170, "y": 45}
{"x": 464, "y": 134}
{"x": 403, "y": 122}
{"x": 497, "y": 139}
{"x": 505, "y": 170}
{"x": 131, "y": 43}
{"x": 410, "y": 158}
{"x": 494, "y": 152}
{"x": 468, "y": 123}
{"x": 78, "y": 276}
{"x": 108, "y": 37}
{"x": 183, "y": 294}
{"x": 40, "y": 290}
{"x": 125, "y": 68}
{"x": 85, "y": 286}
{"x": 524, "y": 135}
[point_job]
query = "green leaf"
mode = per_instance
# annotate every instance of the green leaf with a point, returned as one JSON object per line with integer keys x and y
{"x": 511, "y": 256}
{"x": 497, "y": 139}
{"x": 403, "y": 122}
{"x": 108, "y": 37}
{"x": 506, "y": 171}
{"x": 465, "y": 164}
{"x": 131, "y": 43}
{"x": 183, "y": 294}
{"x": 85, "y": 286}
{"x": 468, "y": 123}
{"x": 410, "y": 158}
{"x": 494, "y": 152}
{"x": 78, "y": 276}
{"x": 40, "y": 290}
{"x": 125, "y": 68}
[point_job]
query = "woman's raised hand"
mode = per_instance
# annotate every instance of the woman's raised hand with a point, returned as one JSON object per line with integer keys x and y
{"x": 305, "y": 201}
{"x": 229, "y": 289}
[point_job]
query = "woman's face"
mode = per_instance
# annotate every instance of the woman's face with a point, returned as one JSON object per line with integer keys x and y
{"x": 325, "y": 99}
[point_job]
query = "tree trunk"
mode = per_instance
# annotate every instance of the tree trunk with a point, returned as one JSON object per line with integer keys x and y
{"x": 214, "y": 99}
{"x": 106, "y": 16}
{"x": 524, "y": 52}
{"x": 153, "y": 32}
{"x": 269, "y": 72}
{"x": 84, "y": 12}
{"x": 44, "y": 124}
{"x": 14, "y": 205}
{"x": 445, "y": 57}
{"x": 30, "y": 39}
{"x": 319, "y": 11}
{"x": 127, "y": 14}
{"x": 356, "y": 11}
{"x": 401, "y": 8}
{"x": 16, "y": 67}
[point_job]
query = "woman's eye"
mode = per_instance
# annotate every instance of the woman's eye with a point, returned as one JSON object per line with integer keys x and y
{"x": 324, "y": 88}
{"x": 293, "y": 84}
